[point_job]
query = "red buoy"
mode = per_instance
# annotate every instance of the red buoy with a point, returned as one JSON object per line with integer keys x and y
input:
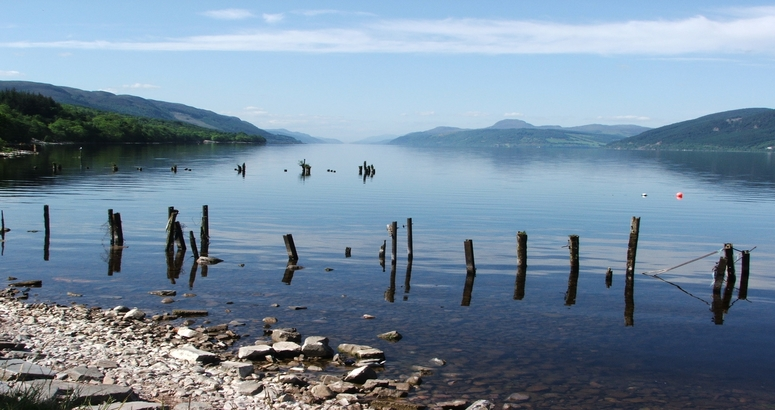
{"x": 679, "y": 195}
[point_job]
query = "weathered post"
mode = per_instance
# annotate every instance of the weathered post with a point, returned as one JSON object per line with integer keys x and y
{"x": 118, "y": 231}
{"x": 409, "y": 243}
{"x": 522, "y": 248}
{"x": 744, "y": 273}
{"x": 47, "y": 235}
{"x": 192, "y": 239}
{"x": 718, "y": 275}
{"x": 629, "y": 275}
{"x": 729, "y": 253}
{"x": 2, "y": 220}
{"x": 172, "y": 213}
{"x": 347, "y": 252}
{"x": 112, "y": 228}
{"x": 573, "y": 278}
{"x": 393, "y": 229}
{"x": 468, "y": 245}
{"x": 609, "y": 278}
{"x": 180, "y": 240}
{"x": 205, "y": 229}
{"x": 290, "y": 247}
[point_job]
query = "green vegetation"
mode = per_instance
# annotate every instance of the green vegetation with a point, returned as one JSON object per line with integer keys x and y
{"x": 25, "y": 117}
{"x": 750, "y": 129}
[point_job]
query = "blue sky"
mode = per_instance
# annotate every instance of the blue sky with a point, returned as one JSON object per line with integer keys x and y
{"x": 355, "y": 69}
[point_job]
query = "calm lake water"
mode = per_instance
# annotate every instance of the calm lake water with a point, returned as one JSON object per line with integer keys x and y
{"x": 678, "y": 353}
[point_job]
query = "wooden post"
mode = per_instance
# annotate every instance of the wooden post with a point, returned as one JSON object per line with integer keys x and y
{"x": 290, "y": 247}
{"x": 573, "y": 278}
{"x": 609, "y": 278}
{"x": 205, "y": 230}
{"x": 193, "y": 245}
{"x": 47, "y": 235}
{"x": 468, "y": 245}
{"x": 347, "y": 252}
{"x": 171, "y": 216}
{"x": 744, "y": 273}
{"x": 112, "y": 228}
{"x": 2, "y": 220}
{"x": 409, "y": 243}
{"x": 522, "y": 248}
{"x": 180, "y": 240}
{"x": 718, "y": 275}
{"x": 360, "y": 170}
{"x": 118, "y": 231}
{"x": 629, "y": 275}
{"x": 394, "y": 240}
{"x": 729, "y": 254}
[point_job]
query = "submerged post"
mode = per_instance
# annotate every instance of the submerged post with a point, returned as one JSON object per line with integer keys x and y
{"x": 409, "y": 244}
{"x": 47, "y": 230}
{"x": 205, "y": 230}
{"x": 519, "y": 285}
{"x": 118, "y": 231}
{"x": 290, "y": 247}
{"x": 718, "y": 275}
{"x": 394, "y": 239}
{"x": 744, "y": 273}
{"x": 573, "y": 277}
{"x": 629, "y": 275}
{"x": 609, "y": 278}
{"x": 468, "y": 245}
{"x": 193, "y": 245}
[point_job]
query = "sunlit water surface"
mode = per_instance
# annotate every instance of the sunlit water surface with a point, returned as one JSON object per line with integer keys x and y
{"x": 561, "y": 354}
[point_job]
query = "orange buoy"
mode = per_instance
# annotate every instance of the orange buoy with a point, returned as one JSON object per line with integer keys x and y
{"x": 679, "y": 195}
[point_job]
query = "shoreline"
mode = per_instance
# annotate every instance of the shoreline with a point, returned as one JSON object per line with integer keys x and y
{"x": 145, "y": 355}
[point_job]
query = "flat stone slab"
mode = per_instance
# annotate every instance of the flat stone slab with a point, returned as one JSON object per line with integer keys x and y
{"x": 82, "y": 373}
{"x": 132, "y": 405}
{"x": 15, "y": 369}
{"x": 80, "y": 393}
{"x": 193, "y": 355}
{"x": 258, "y": 352}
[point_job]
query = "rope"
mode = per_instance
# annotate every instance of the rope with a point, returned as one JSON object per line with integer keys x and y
{"x": 661, "y": 271}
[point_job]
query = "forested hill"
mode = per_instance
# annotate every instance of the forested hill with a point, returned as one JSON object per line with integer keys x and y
{"x": 503, "y": 138}
{"x": 749, "y": 129}
{"x": 25, "y": 117}
{"x": 141, "y": 107}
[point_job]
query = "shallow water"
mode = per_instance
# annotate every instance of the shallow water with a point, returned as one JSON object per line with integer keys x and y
{"x": 561, "y": 354}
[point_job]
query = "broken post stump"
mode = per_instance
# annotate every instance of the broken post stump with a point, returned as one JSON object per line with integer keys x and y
{"x": 744, "y": 273}
{"x": 409, "y": 243}
{"x": 393, "y": 229}
{"x": 290, "y": 247}
{"x": 629, "y": 274}
{"x": 117, "y": 238}
{"x": 468, "y": 245}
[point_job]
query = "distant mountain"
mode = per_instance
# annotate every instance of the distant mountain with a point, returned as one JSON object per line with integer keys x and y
{"x": 305, "y": 138}
{"x": 141, "y": 107}
{"x": 511, "y": 132}
{"x": 748, "y": 129}
{"x": 377, "y": 139}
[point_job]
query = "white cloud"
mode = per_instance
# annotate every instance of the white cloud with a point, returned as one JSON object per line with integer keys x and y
{"x": 513, "y": 114}
{"x": 229, "y": 14}
{"x": 140, "y": 85}
{"x": 273, "y": 18}
{"x": 745, "y": 31}
{"x": 9, "y": 73}
{"x": 475, "y": 114}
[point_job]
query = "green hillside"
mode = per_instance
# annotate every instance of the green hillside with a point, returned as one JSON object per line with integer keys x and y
{"x": 25, "y": 117}
{"x": 141, "y": 107}
{"x": 750, "y": 129}
{"x": 491, "y": 137}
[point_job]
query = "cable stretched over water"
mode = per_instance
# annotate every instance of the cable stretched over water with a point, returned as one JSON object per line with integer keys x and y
{"x": 661, "y": 271}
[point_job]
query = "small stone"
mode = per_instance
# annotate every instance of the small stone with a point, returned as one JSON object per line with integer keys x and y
{"x": 360, "y": 375}
{"x": 135, "y": 314}
{"x": 270, "y": 320}
{"x": 517, "y": 397}
{"x": 367, "y": 316}
{"x": 167, "y": 300}
{"x": 391, "y": 336}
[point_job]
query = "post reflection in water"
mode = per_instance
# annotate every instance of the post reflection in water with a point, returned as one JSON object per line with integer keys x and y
{"x": 175, "y": 264}
{"x": 192, "y": 275}
{"x": 519, "y": 285}
{"x": 288, "y": 274}
{"x": 408, "y": 277}
{"x": 573, "y": 277}
{"x": 390, "y": 293}
{"x": 114, "y": 259}
{"x": 629, "y": 298}
{"x": 468, "y": 288}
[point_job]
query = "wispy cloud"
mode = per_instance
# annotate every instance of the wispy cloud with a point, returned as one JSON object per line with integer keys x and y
{"x": 513, "y": 114}
{"x": 321, "y": 12}
{"x": 746, "y": 31}
{"x": 273, "y": 18}
{"x": 475, "y": 114}
{"x": 139, "y": 85}
{"x": 9, "y": 73}
{"x": 228, "y": 14}
{"x": 626, "y": 118}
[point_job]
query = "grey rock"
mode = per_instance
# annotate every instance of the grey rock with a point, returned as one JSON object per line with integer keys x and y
{"x": 286, "y": 349}
{"x": 135, "y": 314}
{"x": 317, "y": 346}
{"x": 249, "y": 388}
{"x": 517, "y": 397}
{"x": 15, "y": 369}
{"x": 132, "y": 405}
{"x": 79, "y": 393}
{"x": 163, "y": 292}
{"x": 321, "y": 392}
{"x": 82, "y": 373}
{"x": 286, "y": 335}
{"x": 360, "y": 375}
{"x": 258, "y": 352}
{"x": 453, "y": 404}
{"x": 481, "y": 405}
{"x": 270, "y": 320}
{"x": 391, "y": 336}
{"x": 243, "y": 369}
{"x": 374, "y": 383}
{"x": 343, "y": 387}
{"x": 193, "y": 355}
{"x": 194, "y": 405}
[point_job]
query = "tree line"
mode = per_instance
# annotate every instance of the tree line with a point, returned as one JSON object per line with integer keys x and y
{"x": 25, "y": 117}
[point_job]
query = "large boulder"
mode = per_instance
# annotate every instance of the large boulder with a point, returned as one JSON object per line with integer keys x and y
{"x": 317, "y": 346}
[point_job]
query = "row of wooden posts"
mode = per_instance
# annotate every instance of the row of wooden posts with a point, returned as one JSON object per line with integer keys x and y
{"x": 724, "y": 272}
